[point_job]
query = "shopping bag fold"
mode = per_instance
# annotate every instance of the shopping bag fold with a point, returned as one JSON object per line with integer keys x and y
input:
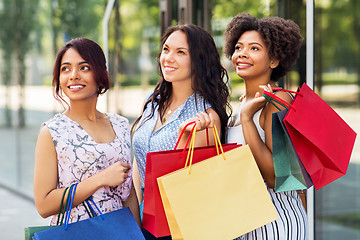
{"x": 159, "y": 164}
{"x": 321, "y": 138}
{"x": 217, "y": 199}
{"x": 290, "y": 173}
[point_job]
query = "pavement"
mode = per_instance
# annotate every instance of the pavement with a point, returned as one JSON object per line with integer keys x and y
{"x": 17, "y": 209}
{"x": 17, "y": 212}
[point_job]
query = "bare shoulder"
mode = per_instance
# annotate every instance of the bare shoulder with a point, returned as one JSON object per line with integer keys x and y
{"x": 284, "y": 96}
{"x": 45, "y": 140}
{"x": 44, "y": 132}
{"x": 270, "y": 108}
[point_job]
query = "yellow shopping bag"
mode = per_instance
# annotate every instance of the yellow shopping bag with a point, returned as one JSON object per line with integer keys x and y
{"x": 222, "y": 197}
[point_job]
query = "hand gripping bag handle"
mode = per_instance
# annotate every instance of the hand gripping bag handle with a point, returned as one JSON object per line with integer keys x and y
{"x": 192, "y": 130}
{"x": 192, "y": 145}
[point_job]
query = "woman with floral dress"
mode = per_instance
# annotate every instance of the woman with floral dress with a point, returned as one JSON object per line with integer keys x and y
{"x": 83, "y": 145}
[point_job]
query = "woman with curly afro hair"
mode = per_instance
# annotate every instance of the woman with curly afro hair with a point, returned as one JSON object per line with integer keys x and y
{"x": 262, "y": 51}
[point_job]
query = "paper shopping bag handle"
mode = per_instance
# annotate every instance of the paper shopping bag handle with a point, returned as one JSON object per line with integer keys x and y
{"x": 70, "y": 203}
{"x": 285, "y": 90}
{"x": 92, "y": 209}
{"x": 279, "y": 100}
{"x": 192, "y": 130}
{"x": 275, "y": 102}
{"x": 217, "y": 141}
{"x": 62, "y": 208}
{"x": 272, "y": 98}
{"x": 190, "y": 154}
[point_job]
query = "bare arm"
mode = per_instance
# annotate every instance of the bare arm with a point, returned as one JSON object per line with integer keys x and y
{"x": 48, "y": 196}
{"x": 137, "y": 181}
{"x": 261, "y": 151}
{"x": 133, "y": 204}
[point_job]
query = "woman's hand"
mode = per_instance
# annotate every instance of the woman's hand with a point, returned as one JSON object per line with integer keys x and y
{"x": 267, "y": 88}
{"x": 114, "y": 175}
{"x": 251, "y": 107}
{"x": 203, "y": 120}
{"x": 258, "y": 102}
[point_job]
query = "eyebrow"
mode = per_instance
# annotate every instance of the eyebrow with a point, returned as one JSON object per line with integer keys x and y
{"x": 67, "y": 63}
{"x": 177, "y": 48}
{"x": 252, "y": 43}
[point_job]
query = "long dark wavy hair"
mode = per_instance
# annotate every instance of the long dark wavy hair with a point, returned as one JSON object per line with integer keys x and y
{"x": 92, "y": 53}
{"x": 281, "y": 36}
{"x": 209, "y": 77}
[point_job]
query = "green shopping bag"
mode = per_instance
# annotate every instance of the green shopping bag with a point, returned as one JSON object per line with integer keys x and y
{"x": 290, "y": 173}
{"x": 30, "y": 231}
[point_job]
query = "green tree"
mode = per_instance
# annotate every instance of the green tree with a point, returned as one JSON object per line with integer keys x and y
{"x": 7, "y": 45}
{"x": 338, "y": 30}
{"x": 20, "y": 16}
{"x": 226, "y": 9}
{"x": 136, "y": 21}
{"x": 337, "y": 37}
{"x": 24, "y": 24}
{"x": 356, "y": 30}
{"x": 76, "y": 18}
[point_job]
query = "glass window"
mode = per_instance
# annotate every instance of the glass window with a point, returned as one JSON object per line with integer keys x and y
{"x": 337, "y": 58}
{"x": 134, "y": 38}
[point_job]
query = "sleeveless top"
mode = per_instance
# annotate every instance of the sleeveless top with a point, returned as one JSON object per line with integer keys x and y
{"x": 146, "y": 140}
{"x": 80, "y": 157}
{"x": 235, "y": 133}
{"x": 292, "y": 222}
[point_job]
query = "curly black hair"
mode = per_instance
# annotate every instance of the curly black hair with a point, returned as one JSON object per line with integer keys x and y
{"x": 281, "y": 36}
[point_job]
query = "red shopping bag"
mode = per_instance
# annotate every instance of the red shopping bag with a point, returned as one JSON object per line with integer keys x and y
{"x": 159, "y": 164}
{"x": 321, "y": 138}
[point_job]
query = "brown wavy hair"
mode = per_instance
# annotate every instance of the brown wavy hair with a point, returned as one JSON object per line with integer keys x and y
{"x": 281, "y": 36}
{"x": 209, "y": 77}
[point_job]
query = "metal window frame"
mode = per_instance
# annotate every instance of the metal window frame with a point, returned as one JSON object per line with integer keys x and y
{"x": 310, "y": 199}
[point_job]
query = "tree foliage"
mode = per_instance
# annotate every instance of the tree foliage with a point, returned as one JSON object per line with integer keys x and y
{"x": 338, "y": 36}
{"x": 77, "y": 18}
{"x": 20, "y": 16}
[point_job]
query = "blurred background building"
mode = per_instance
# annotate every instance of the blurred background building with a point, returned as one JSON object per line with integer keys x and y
{"x": 32, "y": 31}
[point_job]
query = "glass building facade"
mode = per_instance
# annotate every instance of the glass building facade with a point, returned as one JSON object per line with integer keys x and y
{"x": 329, "y": 62}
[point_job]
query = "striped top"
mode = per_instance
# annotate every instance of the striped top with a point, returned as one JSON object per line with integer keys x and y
{"x": 292, "y": 223}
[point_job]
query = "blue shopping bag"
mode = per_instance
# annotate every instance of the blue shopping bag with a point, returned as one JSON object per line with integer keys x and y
{"x": 119, "y": 224}
{"x": 30, "y": 231}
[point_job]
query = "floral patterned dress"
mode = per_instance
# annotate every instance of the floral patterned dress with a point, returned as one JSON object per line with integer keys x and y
{"x": 80, "y": 157}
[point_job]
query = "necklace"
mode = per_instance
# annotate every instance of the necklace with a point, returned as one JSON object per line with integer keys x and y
{"x": 168, "y": 114}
